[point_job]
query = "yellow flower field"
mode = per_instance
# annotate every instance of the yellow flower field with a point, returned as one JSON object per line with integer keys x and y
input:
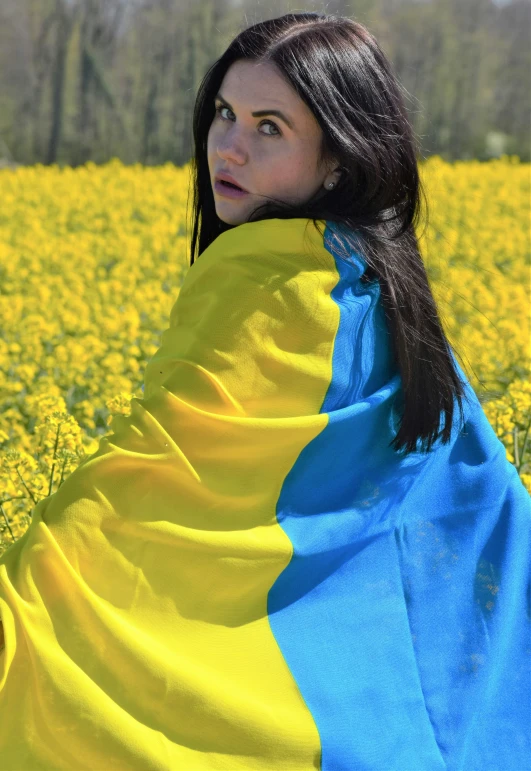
{"x": 91, "y": 261}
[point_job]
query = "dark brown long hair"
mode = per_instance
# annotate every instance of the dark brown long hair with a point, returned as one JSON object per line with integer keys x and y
{"x": 338, "y": 69}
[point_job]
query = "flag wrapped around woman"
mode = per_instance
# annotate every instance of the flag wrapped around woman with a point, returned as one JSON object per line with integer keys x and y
{"x": 245, "y": 575}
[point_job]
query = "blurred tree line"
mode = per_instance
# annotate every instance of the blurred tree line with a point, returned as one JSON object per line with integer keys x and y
{"x": 94, "y": 79}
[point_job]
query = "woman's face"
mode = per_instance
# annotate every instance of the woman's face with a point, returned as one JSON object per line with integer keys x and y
{"x": 266, "y": 155}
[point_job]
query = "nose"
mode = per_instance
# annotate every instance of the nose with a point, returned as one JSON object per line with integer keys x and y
{"x": 230, "y": 148}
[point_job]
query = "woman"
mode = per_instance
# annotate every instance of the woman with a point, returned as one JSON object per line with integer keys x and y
{"x": 293, "y": 554}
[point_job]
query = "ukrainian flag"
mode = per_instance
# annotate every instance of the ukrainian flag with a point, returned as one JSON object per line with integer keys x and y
{"x": 246, "y": 576}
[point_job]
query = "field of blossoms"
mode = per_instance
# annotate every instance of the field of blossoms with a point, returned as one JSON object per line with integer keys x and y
{"x": 91, "y": 261}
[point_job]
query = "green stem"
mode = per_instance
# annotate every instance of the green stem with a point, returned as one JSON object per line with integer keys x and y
{"x": 524, "y": 445}
{"x": 515, "y": 445}
{"x": 7, "y": 523}
{"x": 25, "y": 485}
{"x": 62, "y": 474}
{"x": 54, "y": 456}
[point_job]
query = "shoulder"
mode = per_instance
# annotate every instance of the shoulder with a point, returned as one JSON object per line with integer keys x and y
{"x": 255, "y": 260}
{"x": 282, "y": 237}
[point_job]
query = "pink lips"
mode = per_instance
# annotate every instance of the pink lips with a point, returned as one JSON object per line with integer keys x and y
{"x": 228, "y": 191}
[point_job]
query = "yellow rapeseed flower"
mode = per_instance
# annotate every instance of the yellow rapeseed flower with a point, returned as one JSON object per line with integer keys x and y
{"x": 91, "y": 262}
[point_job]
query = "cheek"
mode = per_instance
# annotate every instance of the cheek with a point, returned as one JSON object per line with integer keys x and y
{"x": 210, "y": 143}
{"x": 290, "y": 171}
{"x": 213, "y": 139}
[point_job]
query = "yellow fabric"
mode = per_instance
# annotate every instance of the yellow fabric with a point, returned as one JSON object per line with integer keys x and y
{"x": 135, "y": 606}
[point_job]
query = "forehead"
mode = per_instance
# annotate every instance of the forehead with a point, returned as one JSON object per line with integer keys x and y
{"x": 247, "y": 75}
{"x": 260, "y": 85}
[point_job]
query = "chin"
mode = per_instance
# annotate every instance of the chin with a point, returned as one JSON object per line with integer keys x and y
{"x": 232, "y": 219}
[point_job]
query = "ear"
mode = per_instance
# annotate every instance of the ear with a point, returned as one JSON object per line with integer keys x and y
{"x": 335, "y": 170}
{"x": 334, "y": 175}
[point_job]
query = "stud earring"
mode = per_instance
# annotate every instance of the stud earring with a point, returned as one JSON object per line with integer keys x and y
{"x": 330, "y": 185}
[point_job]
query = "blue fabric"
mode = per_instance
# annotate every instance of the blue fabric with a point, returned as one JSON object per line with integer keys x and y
{"x": 407, "y": 600}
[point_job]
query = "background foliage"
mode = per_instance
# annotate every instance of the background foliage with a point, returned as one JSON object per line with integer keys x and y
{"x": 92, "y": 80}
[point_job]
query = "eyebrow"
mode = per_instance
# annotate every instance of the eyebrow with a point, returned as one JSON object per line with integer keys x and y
{"x": 259, "y": 113}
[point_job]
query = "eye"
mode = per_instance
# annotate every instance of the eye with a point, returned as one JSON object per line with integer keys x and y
{"x": 270, "y": 123}
{"x": 221, "y": 107}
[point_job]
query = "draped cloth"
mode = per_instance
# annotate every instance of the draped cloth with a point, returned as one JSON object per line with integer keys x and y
{"x": 245, "y": 575}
